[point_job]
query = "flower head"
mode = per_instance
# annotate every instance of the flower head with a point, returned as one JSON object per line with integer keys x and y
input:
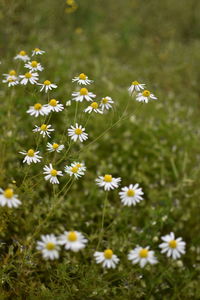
{"x": 34, "y": 66}
{"x": 29, "y": 77}
{"x": 131, "y": 195}
{"x": 49, "y": 246}
{"x": 106, "y": 103}
{"x": 76, "y": 169}
{"x": 54, "y": 105}
{"x": 37, "y": 51}
{"x": 31, "y": 156}
{"x": 82, "y": 79}
{"x": 136, "y": 87}
{"x": 38, "y": 109}
{"x": 172, "y": 247}
{"x": 77, "y": 133}
{"x": 52, "y": 174}
{"x": 142, "y": 256}
{"x": 11, "y": 80}
{"x": 8, "y": 198}
{"x": 73, "y": 240}
{"x": 44, "y": 129}
{"x": 107, "y": 258}
{"x": 108, "y": 182}
{"x": 83, "y": 94}
{"x": 55, "y": 147}
{"x": 145, "y": 96}
{"x": 47, "y": 86}
{"x": 94, "y": 106}
{"x": 22, "y": 56}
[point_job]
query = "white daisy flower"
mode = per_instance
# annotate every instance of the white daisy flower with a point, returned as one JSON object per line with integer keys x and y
{"x": 82, "y": 79}
{"x": 145, "y": 96}
{"x": 131, "y": 195}
{"x": 107, "y": 258}
{"x": 106, "y": 103}
{"x": 55, "y": 147}
{"x": 136, "y": 87}
{"x": 93, "y": 107}
{"x": 11, "y": 73}
{"x": 49, "y": 246}
{"x": 38, "y": 109}
{"x": 54, "y": 105}
{"x": 29, "y": 77}
{"x": 108, "y": 182}
{"x": 75, "y": 169}
{"x": 172, "y": 247}
{"x": 34, "y": 66}
{"x": 47, "y": 86}
{"x": 7, "y": 198}
{"x": 77, "y": 133}
{"x": 11, "y": 81}
{"x": 44, "y": 129}
{"x": 83, "y": 94}
{"x": 37, "y": 51}
{"x": 142, "y": 256}
{"x": 52, "y": 174}
{"x": 73, "y": 240}
{"x": 22, "y": 56}
{"x": 31, "y": 156}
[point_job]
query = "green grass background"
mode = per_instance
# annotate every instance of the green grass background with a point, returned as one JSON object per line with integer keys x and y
{"x": 114, "y": 42}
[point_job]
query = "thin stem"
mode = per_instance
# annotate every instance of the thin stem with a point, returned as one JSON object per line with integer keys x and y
{"x": 102, "y": 220}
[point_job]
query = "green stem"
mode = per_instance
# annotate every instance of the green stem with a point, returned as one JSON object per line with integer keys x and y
{"x": 102, "y": 220}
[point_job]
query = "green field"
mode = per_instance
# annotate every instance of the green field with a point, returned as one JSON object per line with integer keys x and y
{"x": 156, "y": 145}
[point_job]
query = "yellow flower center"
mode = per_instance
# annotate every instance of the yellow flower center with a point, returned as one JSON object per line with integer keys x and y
{"x": 173, "y": 244}
{"x": 130, "y": 193}
{"x": 104, "y": 100}
{"x": 12, "y": 73}
{"x": 22, "y": 53}
{"x": 74, "y": 169}
{"x": 28, "y": 75}
{"x": 78, "y": 131}
{"x": 135, "y": 83}
{"x": 143, "y": 253}
{"x": 108, "y": 178}
{"x": 34, "y": 63}
{"x": 47, "y": 82}
{"x": 94, "y": 105}
{"x": 53, "y": 102}
{"x": 146, "y": 93}
{"x": 54, "y": 172}
{"x": 55, "y": 146}
{"x": 8, "y": 193}
{"x": 43, "y": 127}
{"x": 30, "y": 153}
{"x": 50, "y": 246}
{"x": 10, "y": 80}
{"x": 82, "y": 76}
{"x": 83, "y": 91}
{"x": 78, "y": 165}
{"x": 108, "y": 254}
{"x": 36, "y": 49}
{"x": 72, "y": 236}
{"x": 38, "y": 106}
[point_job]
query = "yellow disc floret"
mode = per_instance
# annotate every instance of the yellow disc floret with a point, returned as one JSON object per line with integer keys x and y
{"x": 38, "y": 106}
{"x": 12, "y": 73}
{"x": 53, "y": 102}
{"x": 143, "y": 253}
{"x": 104, "y": 100}
{"x": 55, "y": 146}
{"x": 28, "y": 75}
{"x": 83, "y": 91}
{"x": 108, "y": 254}
{"x": 130, "y": 193}
{"x": 108, "y": 178}
{"x": 82, "y": 76}
{"x": 54, "y": 172}
{"x": 30, "y": 153}
{"x": 74, "y": 169}
{"x": 43, "y": 127}
{"x": 22, "y": 53}
{"x": 94, "y": 105}
{"x": 50, "y": 246}
{"x": 135, "y": 83}
{"x": 78, "y": 165}
{"x": 34, "y": 64}
{"x": 173, "y": 244}
{"x": 78, "y": 131}
{"x": 146, "y": 93}
{"x": 8, "y": 193}
{"x": 72, "y": 236}
{"x": 36, "y": 49}
{"x": 47, "y": 82}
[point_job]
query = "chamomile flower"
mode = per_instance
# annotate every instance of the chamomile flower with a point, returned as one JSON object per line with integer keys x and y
{"x": 38, "y": 109}
{"x": 108, "y": 182}
{"x": 44, "y": 129}
{"x": 82, "y": 79}
{"x": 49, "y": 246}
{"x": 37, "y": 51}
{"x": 10, "y": 74}
{"x": 83, "y": 94}
{"x": 107, "y": 258}
{"x": 75, "y": 169}
{"x": 136, "y": 87}
{"x": 31, "y": 156}
{"x": 11, "y": 81}
{"x": 8, "y": 198}
{"x": 73, "y": 240}
{"x": 55, "y": 147}
{"x": 145, "y": 96}
{"x": 172, "y": 247}
{"x": 51, "y": 174}
{"x": 29, "y": 77}
{"x": 142, "y": 256}
{"x": 131, "y": 195}
{"x": 106, "y": 103}
{"x": 34, "y": 66}
{"x": 94, "y": 106}
{"x": 54, "y": 105}
{"x": 47, "y": 86}
{"x": 22, "y": 55}
{"x": 77, "y": 133}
